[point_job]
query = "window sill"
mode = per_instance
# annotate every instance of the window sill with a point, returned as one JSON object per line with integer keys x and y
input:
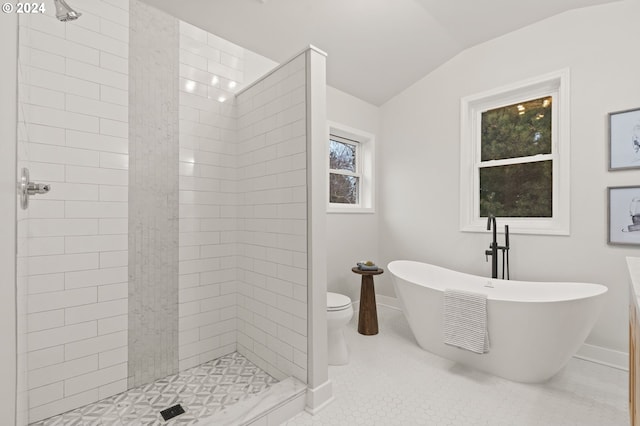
{"x": 351, "y": 210}
{"x": 519, "y": 226}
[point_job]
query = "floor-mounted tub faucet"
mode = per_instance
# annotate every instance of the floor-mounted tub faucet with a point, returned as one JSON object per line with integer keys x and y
{"x": 493, "y": 252}
{"x": 494, "y": 247}
{"x": 505, "y": 249}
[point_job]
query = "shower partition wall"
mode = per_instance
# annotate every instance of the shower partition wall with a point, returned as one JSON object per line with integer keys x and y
{"x": 272, "y": 162}
{"x": 240, "y": 193}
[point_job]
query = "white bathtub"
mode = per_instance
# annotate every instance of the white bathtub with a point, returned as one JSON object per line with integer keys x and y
{"x": 534, "y": 327}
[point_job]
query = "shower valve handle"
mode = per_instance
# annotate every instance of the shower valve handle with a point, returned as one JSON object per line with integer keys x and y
{"x": 26, "y": 188}
{"x": 37, "y": 188}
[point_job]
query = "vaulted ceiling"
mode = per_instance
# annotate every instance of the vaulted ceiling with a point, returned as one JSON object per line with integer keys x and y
{"x": 376, "y": 48}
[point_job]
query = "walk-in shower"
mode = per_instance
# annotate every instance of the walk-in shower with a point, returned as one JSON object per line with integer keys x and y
{"x": 154, "y": 254}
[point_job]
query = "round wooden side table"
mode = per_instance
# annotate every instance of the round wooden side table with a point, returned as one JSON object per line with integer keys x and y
{"x": 368, "y": 316}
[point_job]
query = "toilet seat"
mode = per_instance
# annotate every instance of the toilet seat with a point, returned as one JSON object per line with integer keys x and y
{"x": 337, "y": 302}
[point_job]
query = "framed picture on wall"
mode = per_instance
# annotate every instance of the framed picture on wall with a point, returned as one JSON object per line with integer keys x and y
{"x": 624, "y": 214}
{"x": 624, "y": 139}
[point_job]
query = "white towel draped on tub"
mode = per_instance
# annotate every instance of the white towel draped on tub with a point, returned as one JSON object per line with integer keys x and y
{"x": 465, "y": 320}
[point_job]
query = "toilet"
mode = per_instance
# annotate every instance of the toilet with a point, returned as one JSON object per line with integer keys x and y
{"x": 339, "y": 313}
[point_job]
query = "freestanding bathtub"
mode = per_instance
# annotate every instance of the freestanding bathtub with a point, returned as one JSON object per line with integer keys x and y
{"x": 534, "y": 327}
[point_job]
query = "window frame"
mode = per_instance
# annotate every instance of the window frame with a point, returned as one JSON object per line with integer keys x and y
{"x": 365, "y": 143}
{"x": 554, "y": 84}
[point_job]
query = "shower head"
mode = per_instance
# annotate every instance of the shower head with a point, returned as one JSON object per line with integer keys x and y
{"x": 64, "y": 12}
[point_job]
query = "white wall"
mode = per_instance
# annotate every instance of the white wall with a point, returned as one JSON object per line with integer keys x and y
{"x": 351, "y": 237}
{"x": 8, "y": 81}
{"x": 419, "y": 185}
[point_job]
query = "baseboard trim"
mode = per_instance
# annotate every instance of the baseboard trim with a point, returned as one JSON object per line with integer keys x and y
{"x": 389, "y": 302}
{"x": 604, "y": 356}
{"x": 319, "y": 397}
{"x": 382, "y": 300}
{"x": 316, "y": 410}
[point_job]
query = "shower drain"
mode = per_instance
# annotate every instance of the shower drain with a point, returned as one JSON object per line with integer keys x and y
{"x": 171, "y": 412}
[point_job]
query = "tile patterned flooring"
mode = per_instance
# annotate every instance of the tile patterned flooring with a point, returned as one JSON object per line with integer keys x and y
{"x": 203, "y": 391}
{"x": 391, "y": 381}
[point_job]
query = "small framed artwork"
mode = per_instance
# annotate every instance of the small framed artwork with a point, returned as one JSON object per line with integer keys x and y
{"x": 624, "y": 139}
{"x": 624, "y": 214}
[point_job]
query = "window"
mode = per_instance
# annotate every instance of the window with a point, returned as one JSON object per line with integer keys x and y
{"x": 344, "y": 170}
{"x": 350, "y": 174}
{"x": 516, "y": 161}
{"x": 515, "y": 157}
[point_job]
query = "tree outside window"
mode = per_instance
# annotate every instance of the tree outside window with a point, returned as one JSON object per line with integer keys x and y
{"x": 344, "y": 176}
{"x": 516, "y": 165}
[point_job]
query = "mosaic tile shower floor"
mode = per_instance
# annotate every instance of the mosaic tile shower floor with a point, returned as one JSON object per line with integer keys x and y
{"x": 203, "y": 391}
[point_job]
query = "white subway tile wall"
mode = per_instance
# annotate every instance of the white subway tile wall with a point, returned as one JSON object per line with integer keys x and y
{"x": 272, "y": 216}
{"x": 242, "y": 207}
{"x": 208, "y": 225}
{"x": 73, "y": 241}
